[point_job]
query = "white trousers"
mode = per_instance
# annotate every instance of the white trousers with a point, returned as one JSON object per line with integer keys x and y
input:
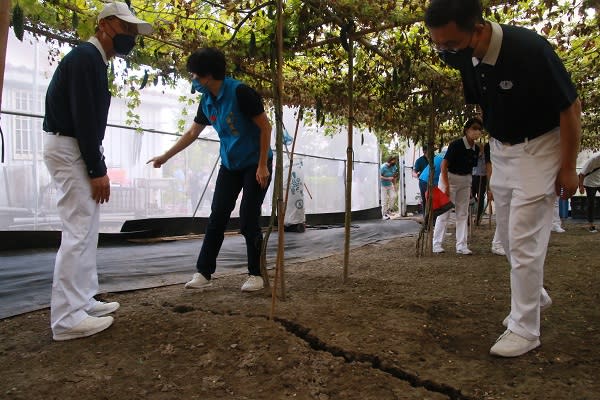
{"x": 523, "y": 187}
{"x": 496, "y": 239}
{"x": 388, "y": 198}
{"x": 460, "y": 192}
{"x": 75, "y": 276}
{"x": 556, "y": 221}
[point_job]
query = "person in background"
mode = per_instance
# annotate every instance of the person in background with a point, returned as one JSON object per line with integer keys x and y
{"x": 237, "y": 113}
{"x": 388, "y": 175}
{"x": 589, "y": 180}
{"x": 455, "y": 181}
{"x": 531, "y": 109}
{"x": 479, "y": 183}
{"x": 424, "y": 180}
{"x": 420, "y": 164}
{"x": 77, "y": 103}
{"x": 497, "y": 247}
{"x": 556, "y": 221}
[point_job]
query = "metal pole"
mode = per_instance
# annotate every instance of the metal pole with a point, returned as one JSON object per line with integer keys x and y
{"x": 206, "y": 186}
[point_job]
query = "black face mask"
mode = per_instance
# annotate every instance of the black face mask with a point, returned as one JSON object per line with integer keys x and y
{"x": 123, "y": 44}
{"x": 459, "y": 58}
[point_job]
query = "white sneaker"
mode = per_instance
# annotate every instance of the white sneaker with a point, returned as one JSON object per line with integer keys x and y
{"x": 385, "y": 217}
{"x": 253, "y": 283}
{"x": 498, "y": 250}
{"x": 101, "y": 308}
{"x": 557, "y": 229}
{"x": 543, "y": 307}
{"x": 509, "y": 344}
{"x": 88, "y": 327}
{"x": 465, "y": 251}
{"x": 198, "y": 282}
{"x": 438, "y": 249}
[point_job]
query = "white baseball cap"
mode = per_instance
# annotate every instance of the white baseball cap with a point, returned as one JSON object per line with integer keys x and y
{"x": 121, "y": 11}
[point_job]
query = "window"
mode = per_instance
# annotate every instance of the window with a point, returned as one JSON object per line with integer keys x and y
{"x": 26, "y": 130}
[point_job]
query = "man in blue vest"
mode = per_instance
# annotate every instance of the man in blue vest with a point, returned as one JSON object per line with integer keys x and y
{"x": 237, "y": 113}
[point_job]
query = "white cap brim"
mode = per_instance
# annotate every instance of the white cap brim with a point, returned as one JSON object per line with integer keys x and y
{"x": 143, "y": 27}
{"x": 123, "y": 12}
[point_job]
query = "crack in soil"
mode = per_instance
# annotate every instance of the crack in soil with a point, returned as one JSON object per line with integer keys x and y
{"x": 376, "y": 363}
{"x": 315, "y": 343}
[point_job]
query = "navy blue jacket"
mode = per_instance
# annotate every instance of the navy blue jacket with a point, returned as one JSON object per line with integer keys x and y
{"x": 77, "y": 103}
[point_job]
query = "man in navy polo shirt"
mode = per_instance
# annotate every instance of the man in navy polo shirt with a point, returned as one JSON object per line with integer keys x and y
{"x": 237, "y": 113}
{"x": 77, "y": 104}
{"x": 455, "y": 181}
{"x": 531, "y": 109}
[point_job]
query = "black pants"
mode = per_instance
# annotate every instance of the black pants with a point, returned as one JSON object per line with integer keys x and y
{"x": 227, "y": 189}
{"x": 590, "y": 193}
{"x": 423, "y": 189}
{"x": 478, "y": 191}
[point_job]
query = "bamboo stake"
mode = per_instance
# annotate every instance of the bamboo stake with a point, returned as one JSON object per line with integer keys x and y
{"x": 349, "y": 152}
{"x": 426, "y": 232}
{"x": 5, "y": 6}
{"x": 279, "y": 272}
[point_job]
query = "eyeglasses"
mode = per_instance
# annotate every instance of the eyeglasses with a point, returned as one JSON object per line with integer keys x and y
{"x": 451, "y": 46}
{"x": 126, "y": 28}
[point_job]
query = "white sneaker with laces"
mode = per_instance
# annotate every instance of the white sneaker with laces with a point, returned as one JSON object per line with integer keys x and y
{"x": 253, "y": 283}
{"x": 87, "y": 327}
{"x": 498, "y": 250}
{"x": 509, "y": 344}
{"x": 101, "y": 308}
{"x": 198, "y": 282}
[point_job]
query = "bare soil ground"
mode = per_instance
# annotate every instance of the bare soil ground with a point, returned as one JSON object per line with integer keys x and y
{"x": 400, "y": 327}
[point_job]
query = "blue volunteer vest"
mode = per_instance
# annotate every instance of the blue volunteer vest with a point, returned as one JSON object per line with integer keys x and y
{"x": 239, "y": 136}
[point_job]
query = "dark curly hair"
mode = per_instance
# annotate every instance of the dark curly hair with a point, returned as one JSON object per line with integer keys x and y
{"x": 465, "y": 13}
{"x": 207, "y": 61}
{"x": 470, "y": 122}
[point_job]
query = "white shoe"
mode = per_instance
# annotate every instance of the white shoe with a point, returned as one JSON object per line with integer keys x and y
{"x": 253, "y": 283}
{"x": 509, "y": 344}
{"x": 465, "y": 251}
{"x": 88, "y": 327}
{"x": 101, "y": 308}
{"x": 557, "y": 229}
{"x": 543, "y": 307}
{"x": 385, "y": 217}
{"x": 438, "y": 249}
{"x": 198, "y": 282}
{"x": 498, "y": 250}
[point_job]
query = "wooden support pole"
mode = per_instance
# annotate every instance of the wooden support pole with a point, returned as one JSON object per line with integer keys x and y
{"x": 5, "y": 6}
{"x": 279, "y": 264}
{"x": 349, "y": 155}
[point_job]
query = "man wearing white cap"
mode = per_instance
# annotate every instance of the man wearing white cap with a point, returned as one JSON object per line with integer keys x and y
{"x": 77, "y": 104}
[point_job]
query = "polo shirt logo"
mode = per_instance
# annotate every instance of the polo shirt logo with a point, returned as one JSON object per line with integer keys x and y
{"x": 231, "y": 122}
{"x": 213, "y": 118}
{"x": 506, "y": 85}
